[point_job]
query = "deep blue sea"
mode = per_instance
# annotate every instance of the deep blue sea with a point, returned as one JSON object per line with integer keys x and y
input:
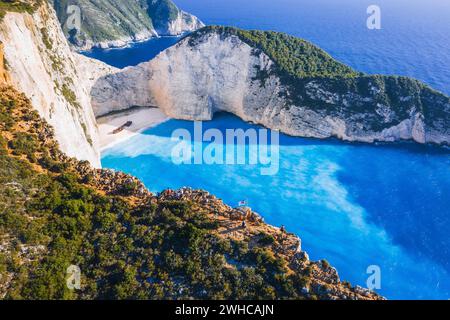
{"x": 134, "y": 54}
{"x": 355, "y": 205}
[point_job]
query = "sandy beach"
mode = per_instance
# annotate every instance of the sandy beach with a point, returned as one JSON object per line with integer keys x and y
{"x": 141, "y": 118}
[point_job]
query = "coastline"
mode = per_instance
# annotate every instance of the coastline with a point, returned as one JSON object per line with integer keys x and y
{"x": 142, "y": 118}
{"x": 122, "y": 43}
{"x": 112, "y": 44}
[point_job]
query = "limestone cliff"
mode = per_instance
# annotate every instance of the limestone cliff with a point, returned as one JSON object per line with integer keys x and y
{"x": 310, "y": 95}
{"x": 184, "y": 22}
{"x": 114, "y": 23}
{"x": 41, "y": 64}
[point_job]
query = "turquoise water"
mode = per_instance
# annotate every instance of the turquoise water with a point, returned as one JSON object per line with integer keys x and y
{"x": 355, "y": 205}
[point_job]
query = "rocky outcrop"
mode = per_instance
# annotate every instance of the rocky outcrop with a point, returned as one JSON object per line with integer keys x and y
{"x": 41, "y": 64}
{"x": 184, "y": 22}
{"x": 211, "y": 71}
{"x": 116, "y": 23}
{"x": 245, "y": 225}
{"x": 3, "y": 73}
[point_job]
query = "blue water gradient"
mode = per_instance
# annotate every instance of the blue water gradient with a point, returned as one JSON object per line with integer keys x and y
{"x": 355, "y": 205}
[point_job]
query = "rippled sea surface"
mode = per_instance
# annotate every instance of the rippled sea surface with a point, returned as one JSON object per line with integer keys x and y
{"x": 354, "y": 205}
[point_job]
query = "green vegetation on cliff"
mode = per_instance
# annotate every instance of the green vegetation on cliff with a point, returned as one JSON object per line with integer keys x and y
{"x": 293, "y": 56}
{"x": 111, "y": 20}
{"x": 56, "y": 212}
{"x": 18, "y": 6}
{"x": 103, "y": 20}
{"x": 315, "y": 80}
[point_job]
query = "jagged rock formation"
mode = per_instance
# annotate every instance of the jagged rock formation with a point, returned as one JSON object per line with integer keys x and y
{"x": 41, "y": 64}
{"x": 280, "y": 82}
{"x": 167, "y": 19}
{"x": 114, "y": 23}
{"x": 324, "y": 281}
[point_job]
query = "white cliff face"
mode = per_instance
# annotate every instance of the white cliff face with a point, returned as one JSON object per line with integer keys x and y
{"x": 216, "y": 75}
{"x": 192, "y": 81}
{"x": 185, "y": 22}
{"x": 91, "y": 70}
{"x": 188, "y": 83}
{"x": 41, "y": 65}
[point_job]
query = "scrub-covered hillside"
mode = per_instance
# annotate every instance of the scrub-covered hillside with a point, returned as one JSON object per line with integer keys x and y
{"x": 128, "y": 243}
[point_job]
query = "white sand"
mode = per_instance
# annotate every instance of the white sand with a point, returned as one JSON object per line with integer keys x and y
{"x": 142, "y": 118}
